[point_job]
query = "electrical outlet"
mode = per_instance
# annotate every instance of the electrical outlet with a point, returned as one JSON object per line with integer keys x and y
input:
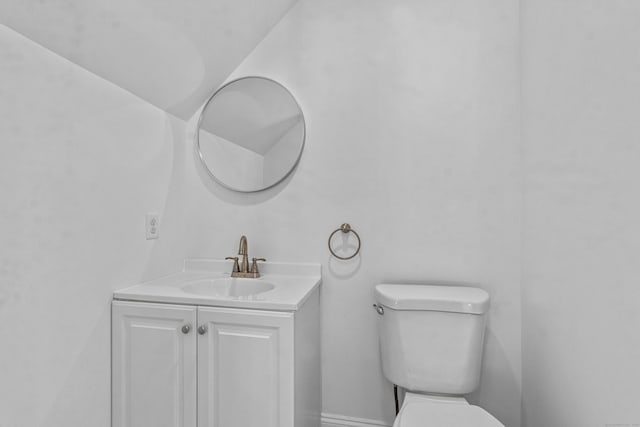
{"x": 153, "y": 225}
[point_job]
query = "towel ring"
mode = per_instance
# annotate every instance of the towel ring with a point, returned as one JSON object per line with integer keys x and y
{"x": 345, "y": 228}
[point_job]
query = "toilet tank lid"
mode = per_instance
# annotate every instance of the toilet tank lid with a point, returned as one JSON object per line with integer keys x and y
{"x": 455, "y": 299}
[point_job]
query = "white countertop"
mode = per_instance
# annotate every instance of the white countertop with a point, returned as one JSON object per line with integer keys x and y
{"x": 293, "y": 285}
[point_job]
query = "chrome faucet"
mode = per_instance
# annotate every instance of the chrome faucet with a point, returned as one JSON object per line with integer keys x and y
{"x": 242, "y": 250}
{"x": 242, "y": 269}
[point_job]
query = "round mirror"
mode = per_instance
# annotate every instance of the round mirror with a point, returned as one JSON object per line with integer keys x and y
{"x": 250, "y": 134}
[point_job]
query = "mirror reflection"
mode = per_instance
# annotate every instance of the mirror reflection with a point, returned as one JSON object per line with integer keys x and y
{"x": 251, "y": 134}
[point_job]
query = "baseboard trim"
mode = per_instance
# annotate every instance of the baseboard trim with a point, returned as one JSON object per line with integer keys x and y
{"x": 334, "y": 420}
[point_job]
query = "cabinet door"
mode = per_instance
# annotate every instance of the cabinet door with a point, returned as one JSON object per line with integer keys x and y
{"x": 245, "y": 368}
{"x": 153, "y": 365}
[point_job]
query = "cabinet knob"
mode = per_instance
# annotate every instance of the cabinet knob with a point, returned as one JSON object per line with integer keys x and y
{"x": 202, "y": 329}
{"x": 186, "y": 329}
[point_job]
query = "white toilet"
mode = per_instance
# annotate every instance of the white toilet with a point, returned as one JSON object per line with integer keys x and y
{"x": 431, "y": 340}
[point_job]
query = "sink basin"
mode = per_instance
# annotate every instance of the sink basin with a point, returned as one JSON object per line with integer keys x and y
{"x": 282, "y": 286}
{"x": 227, "y": 287}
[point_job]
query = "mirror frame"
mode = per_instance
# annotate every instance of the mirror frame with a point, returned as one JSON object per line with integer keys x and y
{"x": 201, "y": 119}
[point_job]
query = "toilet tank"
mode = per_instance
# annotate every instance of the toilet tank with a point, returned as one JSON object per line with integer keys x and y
{"x": 431, "y": 336}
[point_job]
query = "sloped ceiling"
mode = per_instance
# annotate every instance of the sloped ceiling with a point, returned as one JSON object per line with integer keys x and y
{"x": 172, "y": 53}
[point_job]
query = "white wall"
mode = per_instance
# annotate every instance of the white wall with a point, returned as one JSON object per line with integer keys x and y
{"x": 170, "y": 53}
{"x": 412, "y": 137}
{"x": 81, "y": 162}
{"x": 581, "y": 343}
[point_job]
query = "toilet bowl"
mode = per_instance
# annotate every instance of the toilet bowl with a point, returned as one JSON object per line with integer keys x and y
{"x": 434, "y": 411}
{"x": 431, "y": 341}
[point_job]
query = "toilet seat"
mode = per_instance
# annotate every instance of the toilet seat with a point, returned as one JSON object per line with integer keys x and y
{"x": 426, "y": 412}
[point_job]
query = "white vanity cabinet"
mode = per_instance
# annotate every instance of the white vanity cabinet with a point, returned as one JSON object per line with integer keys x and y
{"x": 153, "y": 364}
{"x": 179, "y": 365}
{"x": 245, "y": 368}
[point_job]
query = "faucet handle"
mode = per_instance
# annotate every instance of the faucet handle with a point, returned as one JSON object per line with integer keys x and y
{"x": 254, "y": 265}
{"x": 236, "y": 267}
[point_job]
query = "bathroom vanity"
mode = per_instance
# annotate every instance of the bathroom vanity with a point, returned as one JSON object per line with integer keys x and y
{"x": 201, "y": 349}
